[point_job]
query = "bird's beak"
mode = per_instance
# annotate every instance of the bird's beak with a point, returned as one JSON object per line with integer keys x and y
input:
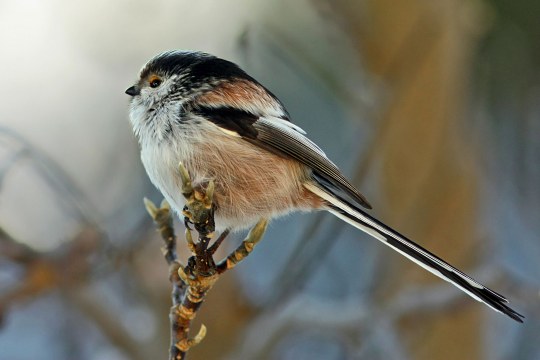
{"x": 134, "y": 90}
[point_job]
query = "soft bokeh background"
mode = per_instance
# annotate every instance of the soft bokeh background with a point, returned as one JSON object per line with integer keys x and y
{"x": 432, "y": 107}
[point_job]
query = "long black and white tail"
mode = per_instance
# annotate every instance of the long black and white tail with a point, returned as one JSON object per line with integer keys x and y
{"x": 361, "y": 220}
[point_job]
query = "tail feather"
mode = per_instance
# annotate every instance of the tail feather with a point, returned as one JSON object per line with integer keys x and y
{"x": 361, "y": 220}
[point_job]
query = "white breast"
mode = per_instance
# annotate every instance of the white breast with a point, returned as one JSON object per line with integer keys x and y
{"x": 161, "y": 164}
{"x": 161, "y": 160}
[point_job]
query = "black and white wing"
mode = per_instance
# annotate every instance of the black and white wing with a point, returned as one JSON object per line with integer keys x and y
{"x": 284, "y": 137}
{"x": 280, "y": 136}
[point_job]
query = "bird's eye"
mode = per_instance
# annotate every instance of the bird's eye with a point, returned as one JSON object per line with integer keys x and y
{"x": 155, "y": 82}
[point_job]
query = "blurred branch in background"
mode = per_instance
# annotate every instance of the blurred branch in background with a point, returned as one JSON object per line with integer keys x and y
{"x": 45, "y": 272}
{"x": 69, "y": 268}
{"x": 507, "y": 117}
{"x": 351, "y": 321}
{"x": 72, "y": 198}
{"x": 429, "y": 171}
{"x": 427, "y": 178}
{"x": 304, "y": 259}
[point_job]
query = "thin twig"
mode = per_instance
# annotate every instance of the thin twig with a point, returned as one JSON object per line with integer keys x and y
{"x": 245, "y": 248}
{"x": 191, "y": 283}
{"x": 218, "y": 241}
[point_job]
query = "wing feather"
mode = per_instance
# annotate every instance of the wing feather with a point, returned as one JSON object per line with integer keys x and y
{"x": 280, "y": 136}
{"x": 291, "y": 141}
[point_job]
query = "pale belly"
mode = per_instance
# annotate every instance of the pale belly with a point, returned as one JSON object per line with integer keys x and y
{"x": 251, "y": 183}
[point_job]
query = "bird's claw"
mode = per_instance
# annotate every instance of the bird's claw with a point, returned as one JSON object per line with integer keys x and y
{"x": 188, "y": 218}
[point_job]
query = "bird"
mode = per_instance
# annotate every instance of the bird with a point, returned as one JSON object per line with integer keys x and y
{"x": 205, "y": 112}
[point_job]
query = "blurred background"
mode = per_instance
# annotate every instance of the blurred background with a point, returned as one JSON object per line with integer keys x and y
{"x": 431, "y": 107}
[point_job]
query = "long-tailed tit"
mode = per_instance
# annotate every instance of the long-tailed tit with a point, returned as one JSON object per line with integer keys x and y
{"x": 208, "y": 114}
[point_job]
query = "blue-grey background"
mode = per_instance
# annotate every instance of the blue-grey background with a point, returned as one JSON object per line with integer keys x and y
{"x": 431, "y": 107}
